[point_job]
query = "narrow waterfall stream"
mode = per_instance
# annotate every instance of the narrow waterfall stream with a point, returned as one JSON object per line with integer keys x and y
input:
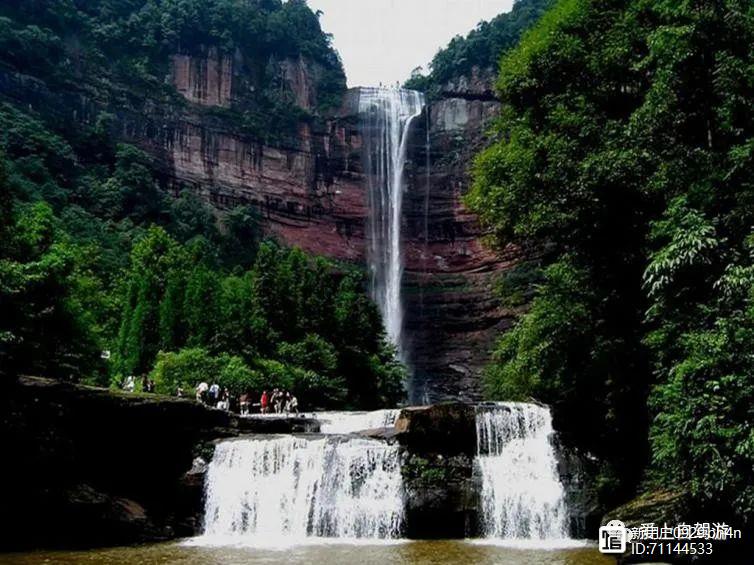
{"x": 387, "y": 114}
{"x": 522, "y": 496}
{"x": 288, "y": 488}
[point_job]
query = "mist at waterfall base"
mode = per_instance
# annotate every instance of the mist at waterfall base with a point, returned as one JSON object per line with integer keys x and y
{"x": 278, "y": 491}
{"x": 289, "y": 489}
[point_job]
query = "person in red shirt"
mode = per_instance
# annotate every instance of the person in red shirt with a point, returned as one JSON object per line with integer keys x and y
{"x": 263, "y": 402}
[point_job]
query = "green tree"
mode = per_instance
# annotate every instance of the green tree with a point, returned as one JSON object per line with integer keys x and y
{"x": 619, "y": 159}
{"x": 312, "y": 353}
{"x": 201, "y": 309}
{"x": 153, "y": 258}
{"x": 44, "y": 328}
{"x": 185, "y": 369}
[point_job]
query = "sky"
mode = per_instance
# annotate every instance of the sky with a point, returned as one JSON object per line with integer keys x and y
{"x": 382, "y": 41}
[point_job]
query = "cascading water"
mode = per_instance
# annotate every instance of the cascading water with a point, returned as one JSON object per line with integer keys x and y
{"x": 522, "y": 496}
{"x": 387, "y": 114}
{"x": 288, "y": 488}
{"x": 349, "y": 422}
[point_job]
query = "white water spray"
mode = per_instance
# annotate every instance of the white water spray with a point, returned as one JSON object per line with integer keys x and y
{"x": 387, "y": 114}
{"x": 287, "y": 489}
{"x": 522, "y": 496}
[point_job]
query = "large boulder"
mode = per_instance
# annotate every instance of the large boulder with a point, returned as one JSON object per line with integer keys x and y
{"x": 439, "y": 444}
{"x": 446, "y": 429}
{"x": 441, "y": 500}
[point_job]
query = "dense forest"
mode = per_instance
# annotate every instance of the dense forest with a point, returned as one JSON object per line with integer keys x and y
{"x": 623, "y": 162}
{"x": 97, "y": 257}
{"x": 120, "y": 49}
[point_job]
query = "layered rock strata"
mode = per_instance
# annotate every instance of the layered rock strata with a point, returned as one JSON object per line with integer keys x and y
{"x": 309, "y": 190}
{"x": 453, "y": 316}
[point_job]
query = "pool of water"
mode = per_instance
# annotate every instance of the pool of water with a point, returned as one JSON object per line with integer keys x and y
{"x": 410, "y": 552}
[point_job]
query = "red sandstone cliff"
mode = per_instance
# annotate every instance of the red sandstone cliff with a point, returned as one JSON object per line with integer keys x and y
{"x": 453, "y": 317}
{"x": 310, "y": 191}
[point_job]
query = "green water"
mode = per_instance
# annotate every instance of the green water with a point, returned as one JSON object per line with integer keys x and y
{"x": 419, "y": 552}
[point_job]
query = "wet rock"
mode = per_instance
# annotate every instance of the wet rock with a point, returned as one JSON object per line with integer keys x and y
{"x": 578, "y": 472}
{"x": 453, "y": 315}
{"x": 447, "y": 429}
{"x": 439, "y": 444}
{"x": 440, "y": 496}
{"x": 384, "y": 434}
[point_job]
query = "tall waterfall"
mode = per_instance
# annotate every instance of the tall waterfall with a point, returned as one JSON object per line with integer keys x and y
{"x": 522, "y": 496}
{"x": 387, "y": 114}
{"x": 288, "y": 488}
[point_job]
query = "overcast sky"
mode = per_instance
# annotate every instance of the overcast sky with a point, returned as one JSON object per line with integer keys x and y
{"x": 382, "y": 41}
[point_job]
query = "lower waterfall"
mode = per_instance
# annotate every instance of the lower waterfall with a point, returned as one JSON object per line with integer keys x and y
{"x": 289, "y": 488}
{"x": 521, "y": 496}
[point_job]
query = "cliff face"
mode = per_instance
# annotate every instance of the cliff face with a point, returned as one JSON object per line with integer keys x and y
{"x": 306, "y": 184}
{"x": 306, "y": 187}
{"x": 453, "y": 317}
{"x": 309, "y": 189}
{"x": 310, "y": 192}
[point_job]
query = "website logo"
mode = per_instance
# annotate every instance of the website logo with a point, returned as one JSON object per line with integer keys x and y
{"x": 613, "y": 537}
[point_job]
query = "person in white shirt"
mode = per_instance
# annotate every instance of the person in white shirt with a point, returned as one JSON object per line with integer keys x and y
{"x": 201, "y": 390}
{"x": 214, "y": 394}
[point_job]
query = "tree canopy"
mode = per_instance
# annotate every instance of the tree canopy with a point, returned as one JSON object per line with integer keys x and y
{"x": 481, "y": 48}
{"x": 621, "y": 155}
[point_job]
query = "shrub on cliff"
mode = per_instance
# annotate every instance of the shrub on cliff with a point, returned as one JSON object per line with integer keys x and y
{"x": 186, "y": 369}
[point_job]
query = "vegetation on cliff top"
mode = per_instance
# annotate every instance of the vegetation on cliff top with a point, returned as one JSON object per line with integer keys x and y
{"x": 624, "y": 152}
{"x": 481, "y": 48}
{"x": 122, "y": 49}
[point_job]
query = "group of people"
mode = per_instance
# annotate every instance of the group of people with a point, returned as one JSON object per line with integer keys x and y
{"x": 129, "y": 384}
{"x": 281, "y": 401}
{"x": 277, "y": 402}
{"x": 212, "y": 395}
